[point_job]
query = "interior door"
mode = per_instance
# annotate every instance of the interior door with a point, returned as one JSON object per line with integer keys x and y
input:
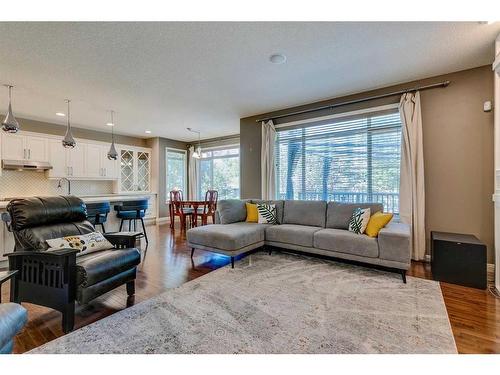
{"x": 13, "y": 147}
{"x": 57, "y": 159}
{"x": 93, "y": 157}
{"x": 36, "y": 148}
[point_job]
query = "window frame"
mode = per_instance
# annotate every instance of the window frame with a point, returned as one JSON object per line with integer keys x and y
{"x": 185, "y": 180}
{"x": 302, "y": 125}
{"x": 211, "y": 158}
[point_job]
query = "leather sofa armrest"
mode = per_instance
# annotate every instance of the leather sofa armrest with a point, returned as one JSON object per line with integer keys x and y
{"x": 122, "y": 240}
{"x": 394, "y": 242}
{"x": 55, "y": 253}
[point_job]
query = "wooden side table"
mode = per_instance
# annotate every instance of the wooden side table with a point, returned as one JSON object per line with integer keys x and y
{"x": 4, "y": 276}
{"x": 458, "y": 259}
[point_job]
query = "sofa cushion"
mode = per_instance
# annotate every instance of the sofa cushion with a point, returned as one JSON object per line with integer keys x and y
{"x": 343, "y": 241}
{"x": 305, "y": 213}
{"x": 229, "y": 237}
{"x": 95, "y": 267}
{"x": 279, "y": 207}
{"x": 231, "y": 211}
{"x": 292, "y": 234}
{"x": 338, "y": 214}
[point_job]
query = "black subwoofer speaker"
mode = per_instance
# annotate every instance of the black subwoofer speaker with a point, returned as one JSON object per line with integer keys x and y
{"x": 458, "y": 259}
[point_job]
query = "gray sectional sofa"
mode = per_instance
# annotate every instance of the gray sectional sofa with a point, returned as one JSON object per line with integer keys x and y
{"x": 314, "y": 227}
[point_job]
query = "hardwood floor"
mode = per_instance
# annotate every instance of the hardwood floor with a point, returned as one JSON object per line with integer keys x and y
{"x": 474, "y": 314}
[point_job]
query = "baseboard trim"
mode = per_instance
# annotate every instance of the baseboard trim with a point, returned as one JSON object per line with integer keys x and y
{"x": 490, "y": 270}
{"x": 163, "y": 220}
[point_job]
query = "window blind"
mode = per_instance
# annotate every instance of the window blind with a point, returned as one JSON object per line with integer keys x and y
{"x": 352, "y": 159}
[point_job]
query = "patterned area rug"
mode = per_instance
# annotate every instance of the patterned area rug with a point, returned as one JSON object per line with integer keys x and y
{"x": 282, "y": 303}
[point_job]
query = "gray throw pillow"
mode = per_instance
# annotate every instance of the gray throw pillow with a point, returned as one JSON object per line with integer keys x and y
{"x": 231, "y": 211}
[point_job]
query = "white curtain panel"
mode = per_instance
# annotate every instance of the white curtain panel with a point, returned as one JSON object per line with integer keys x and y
{"x": 411, "y": 188}
{"x": 267, "y": 163}
{"x": 194, "y": 171}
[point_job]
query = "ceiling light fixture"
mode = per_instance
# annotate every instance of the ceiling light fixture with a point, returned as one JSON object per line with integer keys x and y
{"x": 60, "y": 114}
{"x": 112, "y": 154}
{"x": 147, "y": 131}
{"x": 197, "y": 152}
{"x": 68, "y": 141}
{"x": 277, "y": 58}
{"x": 10, "y": 124}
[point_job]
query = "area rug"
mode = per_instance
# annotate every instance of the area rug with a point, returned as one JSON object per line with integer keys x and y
{"x": 279, "y": 303}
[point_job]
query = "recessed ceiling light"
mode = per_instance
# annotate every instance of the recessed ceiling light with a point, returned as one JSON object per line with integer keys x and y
{"x": 110, "y": 124}
{"x": 60, "y": 114}
{"x": 147, "y": 131}
{"x": 277, "y": 58}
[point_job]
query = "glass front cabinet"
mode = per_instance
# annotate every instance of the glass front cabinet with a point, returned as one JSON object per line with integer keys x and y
{"x": 135, "y": 169}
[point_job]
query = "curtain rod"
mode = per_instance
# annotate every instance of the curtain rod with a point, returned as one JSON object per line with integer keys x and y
{"x": 355, "y": 101}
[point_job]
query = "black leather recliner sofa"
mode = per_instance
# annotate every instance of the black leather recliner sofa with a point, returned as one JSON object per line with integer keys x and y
{"x": 57, "y": 279}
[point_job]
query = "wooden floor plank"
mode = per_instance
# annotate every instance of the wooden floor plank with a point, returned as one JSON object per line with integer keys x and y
{"x": 474, "y": 314}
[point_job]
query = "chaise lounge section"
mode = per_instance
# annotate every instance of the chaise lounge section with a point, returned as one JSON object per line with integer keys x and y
{"x": 313, "y": 227}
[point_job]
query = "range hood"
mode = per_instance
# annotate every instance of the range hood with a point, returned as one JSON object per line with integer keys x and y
{"x": 28, "y": 165}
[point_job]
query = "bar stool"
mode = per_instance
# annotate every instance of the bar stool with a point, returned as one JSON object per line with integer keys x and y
{"x": 133, "y": 211}
{"x": 97, "y": 213}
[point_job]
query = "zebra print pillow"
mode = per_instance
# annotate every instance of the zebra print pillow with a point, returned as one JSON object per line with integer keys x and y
{"x": 359, "y": 220}
{"x": 267, "y": 213}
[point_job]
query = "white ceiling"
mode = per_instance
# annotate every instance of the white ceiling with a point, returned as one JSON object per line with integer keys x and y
{"x": 168, "y": 76}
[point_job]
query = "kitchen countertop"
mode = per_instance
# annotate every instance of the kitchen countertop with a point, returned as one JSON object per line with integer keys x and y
{"x": 102, "y": 198}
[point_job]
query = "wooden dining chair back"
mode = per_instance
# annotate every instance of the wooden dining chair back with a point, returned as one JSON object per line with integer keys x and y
{"x": 211, "y": 196}
{"x": 209, "y": 207}
{"x": 177, "y": 209}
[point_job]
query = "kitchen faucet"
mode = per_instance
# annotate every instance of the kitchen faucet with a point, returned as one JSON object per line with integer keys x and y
{"x": 69, "y": 184}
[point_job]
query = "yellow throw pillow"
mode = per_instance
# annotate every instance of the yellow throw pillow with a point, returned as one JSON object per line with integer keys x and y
{"x": 252, "y": 213}
{"x": 377, "y": 221}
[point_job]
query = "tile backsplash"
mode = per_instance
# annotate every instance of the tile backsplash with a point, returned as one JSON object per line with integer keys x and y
{"x": 29, "y": 183}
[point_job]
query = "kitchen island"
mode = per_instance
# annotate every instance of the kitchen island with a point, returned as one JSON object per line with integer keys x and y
{"x": 112, "y": 225}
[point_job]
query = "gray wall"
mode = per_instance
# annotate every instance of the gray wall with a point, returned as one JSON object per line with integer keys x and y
{"x": 458, "y": 151}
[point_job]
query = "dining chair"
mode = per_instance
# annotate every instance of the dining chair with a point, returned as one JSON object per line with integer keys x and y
{"x": 209, "y": 207}
{"x": 177, "y": 208}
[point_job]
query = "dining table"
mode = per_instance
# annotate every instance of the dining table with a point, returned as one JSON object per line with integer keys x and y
{"x": 194, "y": 204}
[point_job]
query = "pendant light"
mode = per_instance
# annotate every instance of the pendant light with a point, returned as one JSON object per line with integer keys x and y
{"x": 112, "y": 154}
{"x": 10, "y": 124}
{"x": 68, "y": 141}
{"x": 197, "y": 152}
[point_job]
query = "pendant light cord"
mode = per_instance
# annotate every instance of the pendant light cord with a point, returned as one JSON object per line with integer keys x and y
{"x": 69, "y": 124}
{"x": 112, "y": 127}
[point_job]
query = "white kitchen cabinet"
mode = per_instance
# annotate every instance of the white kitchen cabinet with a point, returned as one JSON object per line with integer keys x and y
{"x": 98, "y": 164}
{"x": 135, "y": 169}
{"x": 57, "y": 159}
{"x": 36, "y": 148}
{"x": 66, "y": 162}
{"x": 76, "y": 160}
{"x": 13, "y": 147}
{"x": 24, "y": 147}
{"x": 110, "y": 167}
{"x": 93, "y": 160}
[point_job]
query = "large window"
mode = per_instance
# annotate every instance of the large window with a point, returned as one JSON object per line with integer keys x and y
{"x": 176, "y": 170}
{"x": 348, "y": 159}
{"x": 220, "y": 170}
